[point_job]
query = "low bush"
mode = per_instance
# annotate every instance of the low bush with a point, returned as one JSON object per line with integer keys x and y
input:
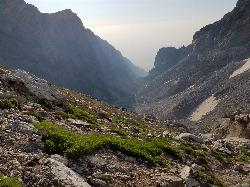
{"x": 8, "y": 103}
{"x": 60, "y": 141}
{"x": 76, "y": 112}
{"x": 244, "y": 155}
{"x": 222, "y": 156}
{"x": 207, "y": 177}
{"x": 120, "y": 132}
{"x": 9, "y": 182}
{"x": 194, "y": 151}
{"x": 45, "y": 103}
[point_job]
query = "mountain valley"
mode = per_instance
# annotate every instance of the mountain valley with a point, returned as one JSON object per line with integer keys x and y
{"x": 75, "y": 113}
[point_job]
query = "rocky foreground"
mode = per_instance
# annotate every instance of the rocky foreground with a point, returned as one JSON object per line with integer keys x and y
{"x": 56, "y": 137}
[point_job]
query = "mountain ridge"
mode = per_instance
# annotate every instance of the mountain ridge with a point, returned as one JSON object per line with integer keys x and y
{"x": 181, "y": 82}
{"x": 58, "y": 47}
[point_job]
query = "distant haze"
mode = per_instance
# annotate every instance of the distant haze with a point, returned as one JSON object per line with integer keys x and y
{"x": 139, "y": 28}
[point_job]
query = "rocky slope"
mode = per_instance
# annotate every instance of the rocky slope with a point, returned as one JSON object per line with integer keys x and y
{"x": 58, "y": 48}
{"x": 205, "y": 80}
{"x": 52, "y": 136}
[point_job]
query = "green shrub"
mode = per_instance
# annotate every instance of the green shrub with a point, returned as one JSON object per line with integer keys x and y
{"x": 59, "y": 141}
{"x": 76, "y": 112}
{"x": 45, "y": 103}
{"x": 194, "y": 151}
{"x": 8, "y": 103}
{"x": 38, "y": 114}
{"x": 244, "y": 155}
{"x": 120, "y": 132}
{"x": 124, "y": 121}
{"x": 208, "y": 177}
{"x": 221, "y": 155}
{"x": 166, "y": 147}
{"x": 9, "y": 182}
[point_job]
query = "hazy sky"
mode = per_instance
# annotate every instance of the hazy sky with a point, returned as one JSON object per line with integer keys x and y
{"x": 139, "y": 28}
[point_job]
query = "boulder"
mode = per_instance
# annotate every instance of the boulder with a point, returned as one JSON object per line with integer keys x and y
{"x": 187, "y": 175}
{"x": 190, "y": 137}
{"x": 23, "y": 127}
{"x": 170, "y": 181}
{"x": 104, "y": 115}
{"x": 79, "y": 123}
{"x": 97, "y": 182}
{"x": 32, "y": 87}
{"x": 243, "y": 169}
{"x": 61, "y": 159}
{"x": 185, "y": 172}
{"x": 65, "y": 175}
{"x": 27, "y": 118}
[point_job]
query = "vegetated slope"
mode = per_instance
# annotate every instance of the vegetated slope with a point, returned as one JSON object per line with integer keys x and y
{"x": 58, "y": 48}
{"x": 184, "y": 80}
{"x": 53, "y": 136}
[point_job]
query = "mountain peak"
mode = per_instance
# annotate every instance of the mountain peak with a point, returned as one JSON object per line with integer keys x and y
{"x": 65, "y": 12}
{"x": 68, "y": 18}
{"x": 17, "y": 8}
{"x": 242, "y": 2}
{"x": 43, "y": 42}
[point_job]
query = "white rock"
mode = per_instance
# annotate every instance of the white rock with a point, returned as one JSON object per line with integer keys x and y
{"x": 186, "y": 175}
{"x": 61, "y": 159}
{"x": 165, "y": 133}
{"x": 185, "y": 172}
{"x": 79, "y": 123}
{"x": 66, "y": 175}
{"x": 190, "y": 137}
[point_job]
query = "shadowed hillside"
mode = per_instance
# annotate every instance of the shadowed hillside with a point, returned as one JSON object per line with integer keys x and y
{"x": 58, "y": 47}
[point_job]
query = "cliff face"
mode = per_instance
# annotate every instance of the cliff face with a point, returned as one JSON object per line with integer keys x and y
{"x": 184, "y": 78}
{"x": 58, "y": 47}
